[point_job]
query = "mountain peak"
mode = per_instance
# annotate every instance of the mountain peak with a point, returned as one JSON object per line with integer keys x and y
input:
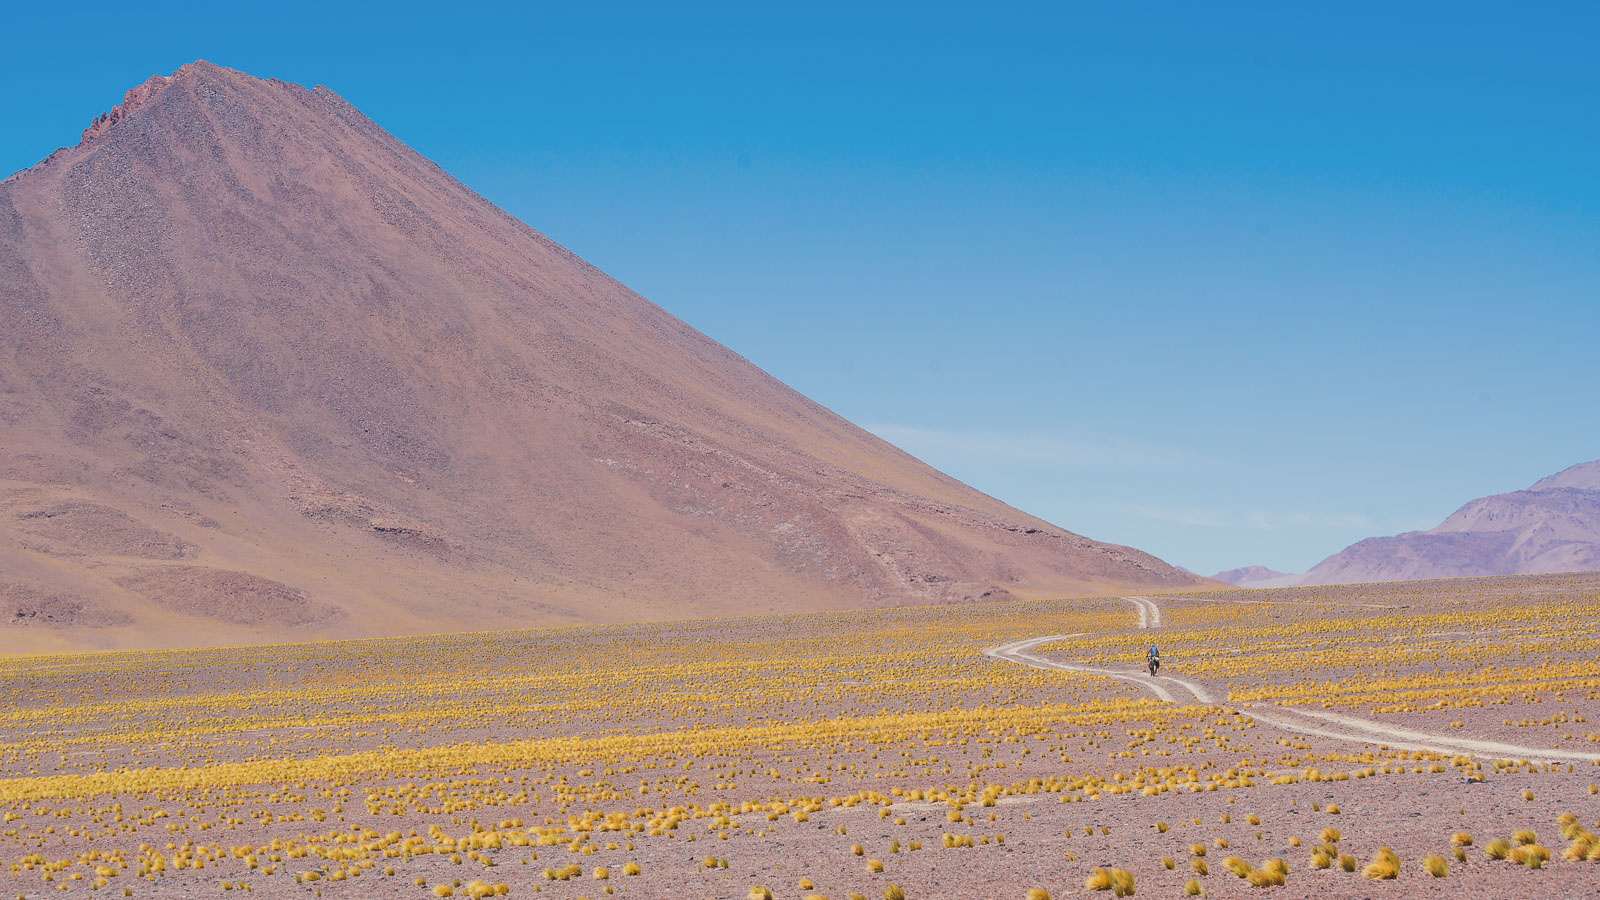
{"x": 142, "y": 96}
{"x": 135, "y": 98}
{"x": 1583, "y": 476}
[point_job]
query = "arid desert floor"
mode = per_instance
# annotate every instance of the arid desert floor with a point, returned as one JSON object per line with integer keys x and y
{"x": 986, "y": 750}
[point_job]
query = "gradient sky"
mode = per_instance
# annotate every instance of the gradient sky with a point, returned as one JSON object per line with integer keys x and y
{"x": 1232, "y": 283}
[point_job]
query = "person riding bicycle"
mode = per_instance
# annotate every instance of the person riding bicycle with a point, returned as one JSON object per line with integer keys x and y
{"x": 1152, "y": 658}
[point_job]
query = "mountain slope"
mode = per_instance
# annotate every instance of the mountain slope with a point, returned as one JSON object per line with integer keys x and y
{"x": 267, "y": 373}
{"x": 1553, "y": 526}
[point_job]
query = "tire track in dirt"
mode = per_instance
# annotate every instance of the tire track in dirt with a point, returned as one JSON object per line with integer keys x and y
{"x": 1149, "y": 612}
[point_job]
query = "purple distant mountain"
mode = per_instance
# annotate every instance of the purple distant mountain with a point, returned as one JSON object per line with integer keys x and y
{"x": 1255, "y": 576}
{"x": 1553, "y": 526}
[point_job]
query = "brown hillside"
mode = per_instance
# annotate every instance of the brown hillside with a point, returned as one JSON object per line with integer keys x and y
{"x": 265, "y": 373}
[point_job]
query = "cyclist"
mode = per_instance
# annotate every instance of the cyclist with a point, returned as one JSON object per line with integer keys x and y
{"x": 1152, "y": 658}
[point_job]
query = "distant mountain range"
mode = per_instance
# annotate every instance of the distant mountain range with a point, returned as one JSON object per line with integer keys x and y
{"x": 1256, "y": 576}
{"x": 1553, "y": 526}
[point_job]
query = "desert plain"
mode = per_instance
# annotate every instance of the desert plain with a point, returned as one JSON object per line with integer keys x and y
{"x": 1423, "y": 739}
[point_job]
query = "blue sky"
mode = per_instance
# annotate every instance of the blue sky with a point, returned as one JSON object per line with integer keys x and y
{"x": 1232, "y": 283}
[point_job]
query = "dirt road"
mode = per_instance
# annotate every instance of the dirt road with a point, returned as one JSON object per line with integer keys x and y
{"x": 1298, "y": 721}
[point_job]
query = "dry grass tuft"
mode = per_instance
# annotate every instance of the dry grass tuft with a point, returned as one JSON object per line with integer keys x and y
{"x": 1119, "y": 881}
{"x": 1385, "y": 865}
{"x": 1266, "y": 878}
{"x": 1534, "y": 856}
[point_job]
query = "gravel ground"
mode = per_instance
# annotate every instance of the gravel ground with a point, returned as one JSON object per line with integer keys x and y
{"x": 1063, "y": 776}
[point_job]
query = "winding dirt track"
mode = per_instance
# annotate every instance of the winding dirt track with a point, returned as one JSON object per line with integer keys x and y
{"x": 1307, "y": 722}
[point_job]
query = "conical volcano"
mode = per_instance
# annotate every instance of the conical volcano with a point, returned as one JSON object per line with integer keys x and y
{"x": 266, "y": 373}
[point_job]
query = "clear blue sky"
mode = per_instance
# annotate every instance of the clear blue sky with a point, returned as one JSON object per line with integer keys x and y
{"x": 1231, "y": 283}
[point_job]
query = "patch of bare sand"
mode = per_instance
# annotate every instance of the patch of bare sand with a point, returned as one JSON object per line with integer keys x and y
{"x": 32, "y": 606}
{"x": 237, "y": 598}
{"x": 94, "y": 528}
